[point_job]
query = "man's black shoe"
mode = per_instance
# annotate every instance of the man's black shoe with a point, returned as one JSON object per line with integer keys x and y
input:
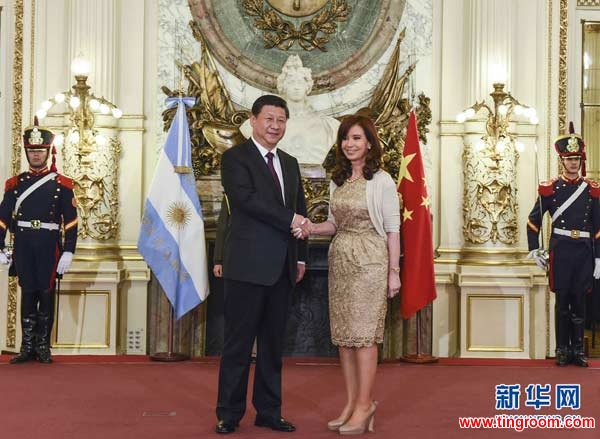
{"x": 275, "y": 424}
{"x": 223, "y": 427}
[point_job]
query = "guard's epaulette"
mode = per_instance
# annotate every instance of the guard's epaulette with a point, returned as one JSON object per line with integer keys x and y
{"x": 11, "y": 183}
{"x": 64, "y": 181}
{"x": 594, "y": 187}
{"x": 546, "y": 188}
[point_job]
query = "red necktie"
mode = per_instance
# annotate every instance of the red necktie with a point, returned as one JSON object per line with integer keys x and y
{"x": 269, "y": 157}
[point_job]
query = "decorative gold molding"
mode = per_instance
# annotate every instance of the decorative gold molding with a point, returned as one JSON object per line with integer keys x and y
{"x": 17, "y": 104}
{"x": 484, "y": 251}
{"x": 83, "y": 293}
{"x": 17, "y": 109}
{"x": 562, "y": 65}
{"x": 520, "y": 322}
{"x": 482, "y": 257}
{"x": 311, "y": 34}
{"x": 588, "y": 3}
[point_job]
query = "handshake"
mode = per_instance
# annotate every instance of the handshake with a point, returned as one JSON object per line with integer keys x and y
{"x": 301, "y": 227}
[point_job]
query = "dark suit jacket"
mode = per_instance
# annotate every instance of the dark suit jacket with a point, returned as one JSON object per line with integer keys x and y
{"x": 259, "y": 241}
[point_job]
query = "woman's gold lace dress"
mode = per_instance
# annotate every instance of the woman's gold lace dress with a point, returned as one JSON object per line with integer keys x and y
{"x": 358, "y": 271}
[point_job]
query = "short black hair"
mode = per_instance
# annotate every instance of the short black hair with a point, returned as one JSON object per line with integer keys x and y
{"x": 273, "y": 100}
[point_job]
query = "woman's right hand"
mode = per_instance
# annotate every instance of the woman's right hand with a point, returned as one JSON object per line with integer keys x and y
{"x": 218, "y": 270}
{"x": 393, "y": 283}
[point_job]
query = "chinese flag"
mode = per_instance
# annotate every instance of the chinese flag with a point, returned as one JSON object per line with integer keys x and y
{"x": 418, "y": 278}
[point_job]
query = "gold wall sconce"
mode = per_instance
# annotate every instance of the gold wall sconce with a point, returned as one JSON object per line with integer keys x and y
{"x": 89, "y": 157}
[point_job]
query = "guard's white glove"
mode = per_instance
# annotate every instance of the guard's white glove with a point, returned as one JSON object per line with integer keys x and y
{"x": 597, "y": 268}
{"x": 540, "y": 256}
{"x": 3, "y": 258}
{"x": 64, "y": 262}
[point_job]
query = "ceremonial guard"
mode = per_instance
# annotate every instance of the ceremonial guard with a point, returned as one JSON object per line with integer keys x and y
{"x": 39, "y": 209}
{"x": 574, "y": 253}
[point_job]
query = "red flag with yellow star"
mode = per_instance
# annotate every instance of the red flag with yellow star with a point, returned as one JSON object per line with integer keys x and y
{"x": 418, "y": 277}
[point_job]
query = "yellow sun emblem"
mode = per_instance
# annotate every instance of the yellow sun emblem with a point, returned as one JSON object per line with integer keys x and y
{"x": 178, "y": 215}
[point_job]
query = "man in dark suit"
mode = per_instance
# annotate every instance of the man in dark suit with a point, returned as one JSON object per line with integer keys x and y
{"x": 262, "y": 263}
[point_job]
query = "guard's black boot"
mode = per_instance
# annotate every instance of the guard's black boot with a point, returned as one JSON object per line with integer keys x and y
{"x": 562, "y": 356}
{"x": 562, "y": 321}
{"x": 577, "y": 342}
{"x": 42, "y": 348}
{"x": 579, "y": 359}
{"x": 27, "y": 352}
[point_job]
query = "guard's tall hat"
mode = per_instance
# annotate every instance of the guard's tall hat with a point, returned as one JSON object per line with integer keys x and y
{"x": 37, "y": 137}
{"x": 571, "y": 145}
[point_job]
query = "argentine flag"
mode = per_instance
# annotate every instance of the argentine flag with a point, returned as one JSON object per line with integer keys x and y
{"x": 172, "y": 233}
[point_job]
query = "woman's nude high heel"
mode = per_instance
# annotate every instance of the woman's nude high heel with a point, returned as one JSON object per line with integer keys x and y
{"x": 337, "y": 423}
{"x": 367, "y": 424}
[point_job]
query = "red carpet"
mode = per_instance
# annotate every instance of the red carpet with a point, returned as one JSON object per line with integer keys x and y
{"x": 132, "y": 397}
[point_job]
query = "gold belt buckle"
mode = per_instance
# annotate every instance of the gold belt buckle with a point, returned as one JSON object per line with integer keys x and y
{"x": 575, "y": 234}
{"x": 36, "y": 224}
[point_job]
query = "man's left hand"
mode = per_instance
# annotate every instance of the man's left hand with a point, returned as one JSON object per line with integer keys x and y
{"x": 597, "y": 268}
{"x": 300, "y": 272}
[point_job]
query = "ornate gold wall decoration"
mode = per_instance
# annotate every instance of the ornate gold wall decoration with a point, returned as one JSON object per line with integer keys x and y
{"x": 311, "y": 34}
{"x": 489, "y": 201}
{"x": 95, "y": 174}
{"x": 17, "y": 107}
{"x": 489, "y": 167}
{"x": 316, "y": 191}
{"x": 297, "y": 8}
{"x": 562, "y": 66}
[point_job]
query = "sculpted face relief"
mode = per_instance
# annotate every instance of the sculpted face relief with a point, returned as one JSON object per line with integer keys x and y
{"x": 296, "y": 87}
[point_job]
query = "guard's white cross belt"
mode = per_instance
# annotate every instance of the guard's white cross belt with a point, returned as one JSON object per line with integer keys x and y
{"x": 572, "y": 233}
{"x": 37, "y": 224}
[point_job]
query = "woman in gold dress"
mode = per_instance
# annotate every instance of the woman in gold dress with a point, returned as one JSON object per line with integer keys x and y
{"x": 364, "y": 270}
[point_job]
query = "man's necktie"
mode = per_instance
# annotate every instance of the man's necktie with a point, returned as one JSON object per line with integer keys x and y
{"x": 270, "y": 156}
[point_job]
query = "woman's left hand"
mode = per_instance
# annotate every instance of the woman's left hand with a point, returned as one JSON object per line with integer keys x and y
{"x": 393, "y": 284}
